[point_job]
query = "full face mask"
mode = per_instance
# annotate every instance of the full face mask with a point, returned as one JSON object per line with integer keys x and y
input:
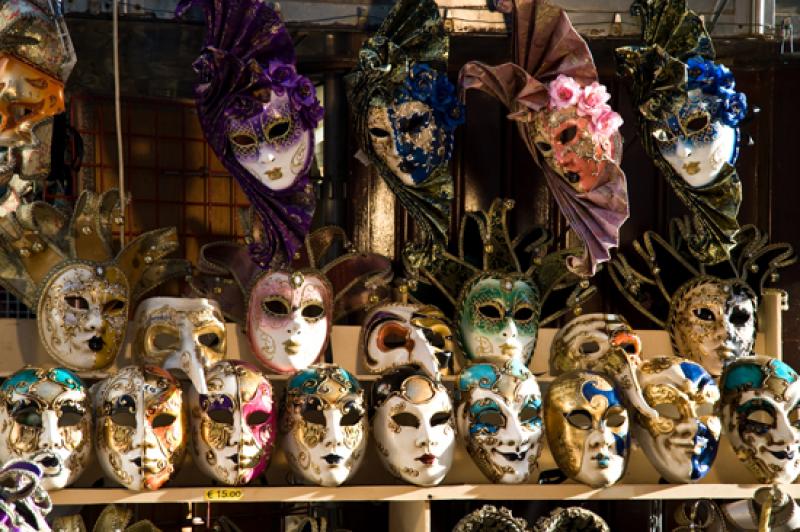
{"x": 587, "y": 428}
{"x": 45, "y": 418}
{"x": 141, "y": 427}
{"x": 761, "y": 413}
{"x": 234, "y": 424}
{"x": 184, "y": 336}
{"x": 499, "y": 419}
{"x": 324, "y": 425}
{"x": 398, "y": 334}
{"x": 681, "y": 434}
{"x": 713, "y": 322}
{"x": 413, "y": 426}
{"x": 585, "y": 341}
{"x": 289, "y": 317}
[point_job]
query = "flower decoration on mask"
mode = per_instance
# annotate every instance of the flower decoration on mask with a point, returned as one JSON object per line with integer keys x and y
{"x": 689, "y": 114}
{"x": 562, "y": 114}
{"x": 72, "y": 273}
{"x": 572, "y": 518}
{"x": 46, "y": 418}
{"x": 709, "y": 311}
{"x": 234, "y": 424}
{"x": 413, "y": 426}
{"x": 760, "y": 409}
{"x": 489, "y": 517}
{"x": 324, "y": 428}
{"x": 499, "y": 419}
{"x": 141, "y": 426}
{"x": 24, "y": 503}
{"x": 259, "y": 116}
{"x": 587, "y": 427}
{"x": 406, "y": 112}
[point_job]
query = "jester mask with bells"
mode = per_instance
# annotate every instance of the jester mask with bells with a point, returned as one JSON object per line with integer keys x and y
{"x": 182, "y": 335}
{"x": 413, "y": 426}
{"x": 587, "y": 428}
{"x": 324, "y": 427}
{"x": 141, "y": 426}
{"x": 761, "y": 413}
{"x": 234, "y": 424}
{"x": 397, "y": 334}
{"x": 709, "y": 311}
{"x": 259, "y": 115}
{"x": 24, "y": 503}
{"x": 405, "y": 112}
{"x": 46, "y": 418}
{"x": 72, "y": 272}
{"x": 502, "y": 289}
{"x": 561, "y": 112}
{"x": 499, "y": 419}
{"x": 689, "y": 114}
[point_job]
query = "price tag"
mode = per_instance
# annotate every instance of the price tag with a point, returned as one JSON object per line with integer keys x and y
{"x": 223, "y": 495}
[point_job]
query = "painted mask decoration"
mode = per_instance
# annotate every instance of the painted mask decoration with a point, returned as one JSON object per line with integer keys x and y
{"x": 141, "y": 427}
{"x": 324, "y": 425}
{"x": 413, "y": 426}
{"x": 289, "y": 317}
{"x": 713, "y": 322}
{"x": 585, "y": 341}
{"x": 24, "y": 503}
{"x": 397, "y": 334}
{"x": 182, "y": 335}
{"x": 499, "y": 419}
{"x": 761, "y": 414}
{"x": 681, "y": 436}
{"x": 46, "y": 418}
{"x": 234, "y": 424}
{"x": 587, "y": 427}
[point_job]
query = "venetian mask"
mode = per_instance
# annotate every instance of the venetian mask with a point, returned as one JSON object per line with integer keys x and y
{"x": 398, "y": 334}
{"x": 233, "y": 424}
{"x": 761, "y": 413}
{"x": 182, "y": 335}
{"x": 587, "y": 428}
{"x": 83, "y": 315}
{"x": 289, "y": 319}
{"x": 140, "y": 426}
{"x": 499, "y": 318}
{"x": 680, "y": 434}
{"x": 712, "y": 322}
{"x": 499, "y": 419}
{"x": 413, "y": 426}
{"x": 584, "y": 342}
{"x": 45, "y": 417}
{"x": 324, "y": 426}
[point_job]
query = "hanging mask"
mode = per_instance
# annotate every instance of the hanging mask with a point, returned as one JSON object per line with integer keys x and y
{"x": 397, "y": 334}
{"x": 499, "y": 419}
{"x": 413, "y": 426}
{"x": 182, "y": 335}
{"x": 324, "y": 426}
{"x": 45, "y": 417}
{"x": 681, "y": 434}
{"x": 587, "y": 428}
{"x": 289, "y": 318}
{"x": 234, "y": 424}
{"x": 761, "y": 414}
{"x": 584, "y": 342}
{"x": 140, "y": 427}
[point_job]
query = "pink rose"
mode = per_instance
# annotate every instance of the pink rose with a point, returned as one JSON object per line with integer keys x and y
{"x": 592, "y": 97}
{"x": 606, "y": 123}
{"x": 564, "y": 91}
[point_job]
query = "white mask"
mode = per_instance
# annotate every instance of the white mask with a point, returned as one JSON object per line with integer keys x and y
{"x": 184, "y": 336}
{"x": 584, "y": 342}
{"x": 413, "y": 426}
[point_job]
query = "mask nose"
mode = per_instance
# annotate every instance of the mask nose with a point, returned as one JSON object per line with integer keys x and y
{"x": 684, "y": 151}
{"x": 51, "y": 436}
{"x": 511, "y": 329}
{"x": 94, "y": 321}
{"x": 192, "y": 366}
{"x": 443, "y": 358}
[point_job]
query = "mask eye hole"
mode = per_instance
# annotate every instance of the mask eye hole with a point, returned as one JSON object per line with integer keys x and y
{"x": 740, "y": 317}
{"x": 490, "y": 311}
{"x": 77, "y": 302}
{"x": 414, "y": 124}
{"x": 615, "y": 417}
{"x": 762, "y": 417}
{"x": 406, "y": 419}
{"x": 259, "y": 417}
{"x": 315, "y": 417}
{"x": 568, "y": 134}
{"x": 244, "y": 141}
{"x": 278, "y": 130}
{"x": 580, "y": 419}
{"x": 528, "y": 414}
{"x": 589, "y": 348}
{"x": 434, "y": 338}
{"x": 669, "y": 411}
{"x": 440, "y": 418}
{"x": 379, "y": 133}
{"x": 28, "y": 414}
{"x": 794, "y": 417}
{"x": 523, "y": 314}
{"x": 352, "y": 416}
{"x": 544, "y": 147}
{"x": 314, "y": 311}
{"x": 275, "y": 307}
{"x": 630, "y": 348}
{"x": 697, "y": 123}
{"x": 164, "y": 341}
{"x": 114, "y": 306}
{"x": 209, "y": 339}
{"x": 70, "y": 416}
{"x": 492, "y": 418}
{"x": 163, "y": 420}
{"x": 393, "y": 336}
{"x": 123, "y": 412}
{"x": 703, "y": 313}
{"x": 221, "y": 415}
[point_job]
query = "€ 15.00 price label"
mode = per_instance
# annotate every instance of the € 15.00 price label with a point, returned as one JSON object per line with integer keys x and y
{"x": 221, "y": 495}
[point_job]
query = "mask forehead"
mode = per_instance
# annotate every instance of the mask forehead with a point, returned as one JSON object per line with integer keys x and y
{"x": 46, "y": 384}
{"x": 332, "y": 385}
{"x": 512, "y": 383}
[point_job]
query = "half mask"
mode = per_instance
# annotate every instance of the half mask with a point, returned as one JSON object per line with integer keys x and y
{"x": 413, "y": 426}
{"x": 234, "y": 424}
{"x": 141, "y": 426}
{"x": 586, "y": 340}
{"x": 46, "y": 418}
{"x": 324, "y": 425}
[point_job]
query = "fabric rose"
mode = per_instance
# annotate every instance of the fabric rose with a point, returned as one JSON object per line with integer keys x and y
{"x": 734, "y": 109}
{"x": 607, "y": 122}
{"x": 282, "y": 76}
{"x": 564, "y": 91}
{"x": 592, "y": 97}
{"x": 304, "y": 94}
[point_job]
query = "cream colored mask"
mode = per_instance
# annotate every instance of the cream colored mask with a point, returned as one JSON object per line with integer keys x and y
{"x": 585, "y": 341}
{"x": 184, "y": 336}
{"x": 141, "y": 428}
